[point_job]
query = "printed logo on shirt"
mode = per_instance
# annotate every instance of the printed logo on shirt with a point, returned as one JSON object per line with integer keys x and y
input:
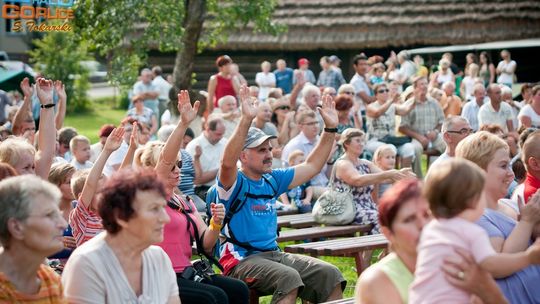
{"x": 264, "y": 207}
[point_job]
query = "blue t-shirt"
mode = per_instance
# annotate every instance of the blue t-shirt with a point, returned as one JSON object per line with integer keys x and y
{"x": 256, "y": 221}
{"x": 187, "y": 174}
{"x": 284, "y": 80}
{"x": 522, "y": 286}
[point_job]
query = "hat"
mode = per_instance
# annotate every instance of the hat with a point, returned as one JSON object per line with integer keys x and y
{"x": 302, "y": 61}
{"x": 334, "y": 58}
{"x": 255, "y": 138}
{"x": 106, "y": 130}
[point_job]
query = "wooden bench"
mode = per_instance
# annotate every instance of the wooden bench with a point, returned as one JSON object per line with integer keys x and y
{"x": 342, "y": 301}
{"x": 313, "y": 233}
{"x": 296, "y": 221}
{"x": 348, "y": 247}
{"x": 287, "y": 212}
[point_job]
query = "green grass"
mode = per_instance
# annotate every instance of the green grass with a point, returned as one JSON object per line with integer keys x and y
{"x": 88, "y": 124}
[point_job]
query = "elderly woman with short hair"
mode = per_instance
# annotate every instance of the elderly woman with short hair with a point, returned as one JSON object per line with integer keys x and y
{"x": 31, "y": 228}
{"x": 361, "y": 176}
{"x": 120, "y": 265}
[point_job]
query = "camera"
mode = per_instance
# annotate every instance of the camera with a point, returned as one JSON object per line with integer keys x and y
{"x": 200, "y": 270}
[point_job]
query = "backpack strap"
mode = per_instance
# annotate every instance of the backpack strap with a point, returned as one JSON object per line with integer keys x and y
{"x": 191, "y": 223}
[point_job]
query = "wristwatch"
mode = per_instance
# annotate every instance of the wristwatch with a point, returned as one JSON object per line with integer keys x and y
{"x": 331, "y": 130}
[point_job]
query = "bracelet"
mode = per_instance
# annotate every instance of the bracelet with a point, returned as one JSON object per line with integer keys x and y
{"x": 46, "y": 106}
{"x": 331, "y": 130}
{"x": 214, "y": 226}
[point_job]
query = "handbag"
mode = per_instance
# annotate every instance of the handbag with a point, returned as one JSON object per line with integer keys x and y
{"x": 335, "y": 207}
{"x": 395, "y": 140}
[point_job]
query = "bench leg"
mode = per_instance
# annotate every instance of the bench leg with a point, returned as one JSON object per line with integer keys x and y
{"x": 362, "y": 260}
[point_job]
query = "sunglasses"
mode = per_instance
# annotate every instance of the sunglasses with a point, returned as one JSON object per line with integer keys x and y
{"x": 178, "y": 164}
{"x": 463, "y": 131}
{"x": 283, "y": 108}
{"x": 383, "y": 91}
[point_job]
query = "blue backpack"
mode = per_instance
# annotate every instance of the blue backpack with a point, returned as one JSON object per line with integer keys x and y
{"x": 238, "y": 199}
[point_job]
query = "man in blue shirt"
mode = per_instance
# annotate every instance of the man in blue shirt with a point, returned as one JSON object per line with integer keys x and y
{"x": 251, "y": 253}
{"x": 284, "y": 76}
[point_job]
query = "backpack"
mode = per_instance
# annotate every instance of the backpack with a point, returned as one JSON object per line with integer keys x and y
{"x": 239, "y": 198}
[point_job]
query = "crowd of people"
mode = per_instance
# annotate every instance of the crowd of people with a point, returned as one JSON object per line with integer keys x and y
{"x": 118, "y": 218}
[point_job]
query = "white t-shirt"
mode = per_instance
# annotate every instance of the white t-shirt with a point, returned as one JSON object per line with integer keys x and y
{"x": 116, "y": 158}
{"x": 265, "y": 81}
{"x": 93, "y": 274}
{"x": 163, "y": 87}
{"x": 488, "y": 115}
{"x": 211, "y": 154}
{"x": 506, "y": 78}
{"x": 529, "y": 111}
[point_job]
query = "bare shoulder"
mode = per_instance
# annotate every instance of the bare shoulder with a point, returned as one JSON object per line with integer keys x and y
{"x": 374, "y": 287}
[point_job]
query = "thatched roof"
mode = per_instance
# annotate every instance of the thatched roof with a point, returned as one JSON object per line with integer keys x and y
{"x": 357, "y": 24}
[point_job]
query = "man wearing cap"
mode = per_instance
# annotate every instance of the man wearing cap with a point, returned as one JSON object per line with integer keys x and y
{"x": 303, "y": 67}
{"x": 329, "y": 77}
{"x": 284, "y": 76}
{"x": 262, "y": 265}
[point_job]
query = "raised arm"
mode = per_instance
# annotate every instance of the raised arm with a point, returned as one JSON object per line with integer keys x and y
{"x": 47, "y": 131}
{"x": 133, "y": 145}
{"x": 62, "y": 104}
{"x": 169, "y": 154}
{"x": 348, "y": 173}
{"x": 212, "y": 84}
{"x": 300, "y": 82}
{"x": 227, "y": 172}
{"x": 317, "y": 158}
{"x": 25, "y": 109}
{"x": 114, "y": 141}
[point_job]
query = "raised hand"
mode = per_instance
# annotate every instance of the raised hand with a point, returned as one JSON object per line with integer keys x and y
{"x": 531, "y": 211}
{"x": 300, "y": 79}
{"x": 218, "y": 212}
{"x": 198, "y": 152}
{"x": 187, "y": 112}
{"x": 134, "y": 138}
{"x": 44, "y": 89}
{"x": 249, "y": 107}
{"x": 26, "y": 87}
{"x": 328, "y": 112}
{"x": 114, "y": 141}
{"x": 60, "y": 90}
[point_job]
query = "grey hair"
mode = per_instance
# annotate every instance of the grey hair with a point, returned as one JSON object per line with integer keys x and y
{"x": 17, "y": 195}
{"x": 450, "y": 121}
{"x": 164, "y": 132}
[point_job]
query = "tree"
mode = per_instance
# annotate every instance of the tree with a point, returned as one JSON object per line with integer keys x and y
{"x": 125, "y": 30}
{"x": 58, "y": 56}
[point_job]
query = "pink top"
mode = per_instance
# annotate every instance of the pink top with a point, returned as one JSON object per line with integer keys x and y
{"x": 176, "y": 241}
{"x": 438, "y": 240}
{"x": 224, "y": 87}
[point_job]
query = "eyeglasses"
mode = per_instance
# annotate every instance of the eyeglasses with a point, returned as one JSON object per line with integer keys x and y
{"x": 178, "y": 164}
{"x": 283, "y": 108}
{"x": 463, "y": 131}
{"x": 310, "y": 123}
{"x": 383, "y": 91}
{"x": 348, "y": 93}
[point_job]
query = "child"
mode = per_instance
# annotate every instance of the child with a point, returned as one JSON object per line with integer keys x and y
{"x": 301, "y": 195}
{"x": 454, "y": 191}
{"x": 378, "y": 72}
{"x": 84, "y": 220}
{"x": 79, "y": 147}
{"x": 385, "y": 158}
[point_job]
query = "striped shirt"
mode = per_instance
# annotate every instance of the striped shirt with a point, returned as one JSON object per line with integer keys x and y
{"x": 424, "y": 117}
{"x": 50, "y": 291}
{"x": 84, "y": 223}
{"x": 187, "y": 174}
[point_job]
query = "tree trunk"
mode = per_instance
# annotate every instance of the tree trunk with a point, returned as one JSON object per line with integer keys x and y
{"x": 185, "y": 57}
